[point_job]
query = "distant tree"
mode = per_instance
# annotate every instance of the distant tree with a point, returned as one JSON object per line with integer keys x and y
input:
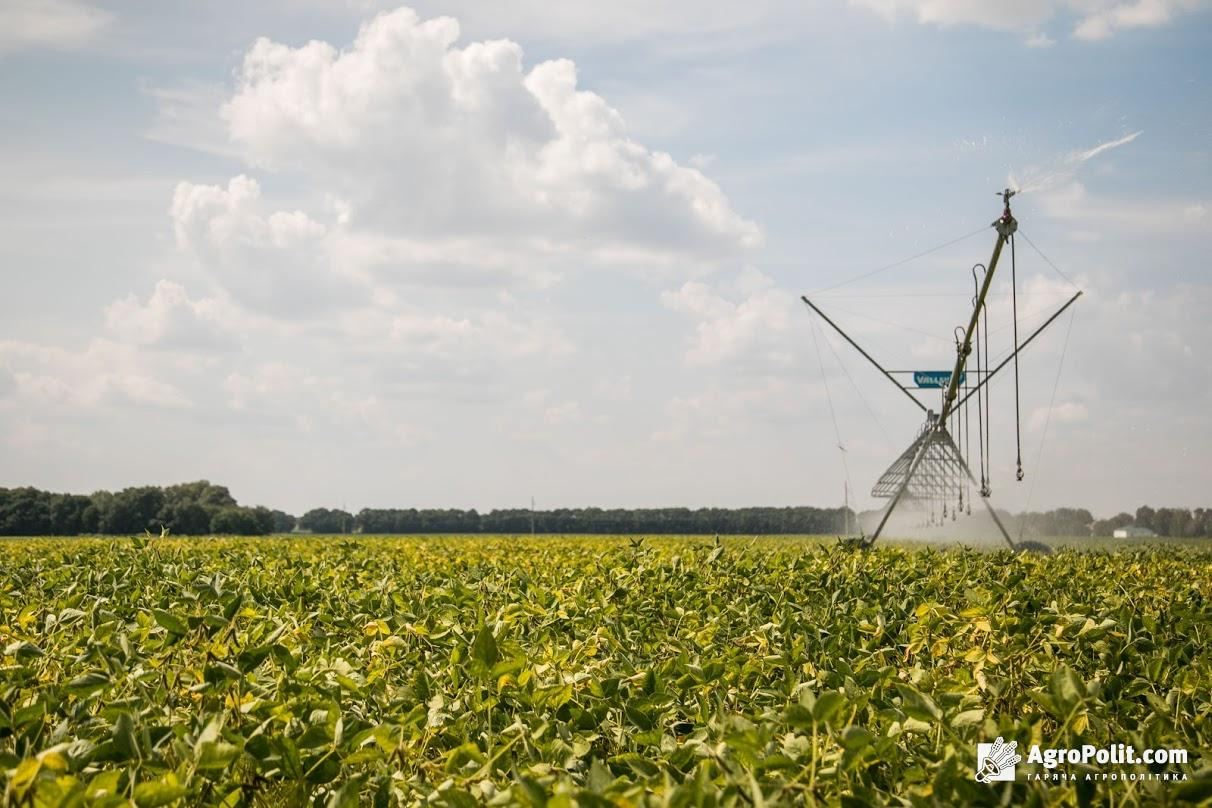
{"x": 70, "y": 516}
{"x": 132, "y": 511}
{"x": 185, "y": 509}
{"x": 186, "y": 518}
{"x": 236, "y": 521}
{"x": 1069, "y": 522}
{"x": 323, "y": 520}
{"x": 1203, "y": 521}
{"x": 265, "y": 520}
{"x": 1144, "y": 517}
{"x": 1176, "y": 522}
{"x": 283, "y": 522}
{"x": 25, "y": 512}
{"x": 203, "y": 492}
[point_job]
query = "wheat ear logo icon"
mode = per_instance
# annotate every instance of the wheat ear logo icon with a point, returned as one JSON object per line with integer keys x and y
{"x": 996, "y": 761}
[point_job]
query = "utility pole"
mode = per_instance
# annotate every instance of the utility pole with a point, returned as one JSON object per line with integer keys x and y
{"x": 845, "y": 508}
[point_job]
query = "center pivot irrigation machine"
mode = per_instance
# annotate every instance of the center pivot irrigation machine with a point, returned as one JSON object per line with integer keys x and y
{"x": 933, "y": 472}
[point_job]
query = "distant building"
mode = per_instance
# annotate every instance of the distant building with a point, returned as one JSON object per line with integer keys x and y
{"x": 1133, "y": 532}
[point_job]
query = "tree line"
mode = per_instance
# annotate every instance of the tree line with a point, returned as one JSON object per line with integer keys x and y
{"x": 201, "y": 507}
{"x": 1175, "y": 522}
{"x": 1073, "y": 522}
{"x": 188, "y": 509}
{"x": 771, "y": 521}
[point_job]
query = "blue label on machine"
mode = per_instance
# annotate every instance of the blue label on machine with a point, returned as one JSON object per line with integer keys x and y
{"x": 934, "y": 378}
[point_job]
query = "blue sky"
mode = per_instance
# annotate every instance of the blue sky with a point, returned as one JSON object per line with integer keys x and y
{"x": 417, "y": 266}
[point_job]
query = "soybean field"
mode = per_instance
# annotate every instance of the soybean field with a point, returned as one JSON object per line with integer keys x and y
{"x": 596, "y": 671}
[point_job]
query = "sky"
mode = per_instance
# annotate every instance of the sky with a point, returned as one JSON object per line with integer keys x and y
{"x": 464, "y": 254}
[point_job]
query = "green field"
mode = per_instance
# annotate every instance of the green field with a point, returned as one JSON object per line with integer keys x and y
{"x": 588, "y": 670}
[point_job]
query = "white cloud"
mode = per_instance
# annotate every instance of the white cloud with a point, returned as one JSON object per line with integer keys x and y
{"x": 1096, "y": 19}
{"x": 721, "y": 413}
{"x": 1104, "y": 19}
{"x": 170, "y": 319}
{"x": 424, "y": 137}
{"x": 49, "y": 23}
{"x": 106, "y": 373}
{"x": 279, "y": 261}
{"x": 1073, "y": 202}
{"x": 489, "y": 333}
{"x": 746, "y": 322}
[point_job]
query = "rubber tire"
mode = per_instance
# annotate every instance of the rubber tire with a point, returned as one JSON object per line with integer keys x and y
{"x": 1037, "y": 547}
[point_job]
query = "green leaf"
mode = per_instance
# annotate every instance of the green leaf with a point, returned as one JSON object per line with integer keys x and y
{"x": 87, "y": 683}
{"x": 855, "y": 738}
{"x": 157, "y": 793}
{"x": 968, "y": 718}
{"x": 1067, "y": 688}
{"x": 484, "y": 648}
{"x": 284, "y": 657}
{"x": 23, "y": 650}
{"x": 172, "y": 623}
{"x": 917, "y": 704}
{"x": 1197, "y": 790}
{"x": 251, "y": 658}
{"x": 827, "y": 705}
{"x": 215, "y": 755}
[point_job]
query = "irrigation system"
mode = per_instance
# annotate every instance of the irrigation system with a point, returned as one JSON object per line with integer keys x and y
{"x": 934, "y": 472}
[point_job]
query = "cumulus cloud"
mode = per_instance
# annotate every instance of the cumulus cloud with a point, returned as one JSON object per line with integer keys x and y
{"x": 487, "y": 333}
{"x": 407, "y": 201}
{"x": 1104, "y": 19}
{"x": 746, "y": 322}
{"x": 1096, "y": 19}
{"x": 439, "y": 175}
{"x": 422, "y": 136}
{"x": 1073, "y": 202}
{"x": 105, "y": 374}
{"x": 49, "y": 24}
{"x": 277, "y": 261}
{"x": 719, "y": 413}
{"x": 170, "y": 319}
